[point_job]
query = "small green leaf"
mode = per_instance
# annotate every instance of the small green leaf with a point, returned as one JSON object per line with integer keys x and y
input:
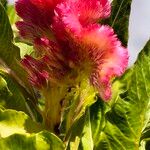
{"x": 13, "y": 17}
{"x": 25, "y": 49}
{"x": 75, "y": 133}
{"x": 77, "y": 100}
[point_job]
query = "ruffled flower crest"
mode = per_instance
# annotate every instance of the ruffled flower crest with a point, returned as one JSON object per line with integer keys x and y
{"x": 80, "y": 45}
{"x": 37, "y": 16}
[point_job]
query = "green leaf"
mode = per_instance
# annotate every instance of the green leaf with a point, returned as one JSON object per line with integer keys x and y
{"x": 12, "y": 121}
{"x": 11, "y": 96}
{"x": 4, "y": 3}
{"x": 129, "y": 114}
{"x": 25, "y": 49}
{"x": 19, "y": 132}
{"x": 13, "y": 18}
{"x": 77, "y": 100}
{"x": 119, "y": 18}
{"x": 124, "y": 122}
{"x": 8, "y": 51}
{"x": 40, "y": 141}
{"x": 74, "y": 137}
{"x": 10, "y": 60}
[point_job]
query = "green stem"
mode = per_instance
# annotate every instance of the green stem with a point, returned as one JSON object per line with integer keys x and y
{"x": 53, "y": 107}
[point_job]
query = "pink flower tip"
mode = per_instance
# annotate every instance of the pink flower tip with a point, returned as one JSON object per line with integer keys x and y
{"x": 38, "y": 76}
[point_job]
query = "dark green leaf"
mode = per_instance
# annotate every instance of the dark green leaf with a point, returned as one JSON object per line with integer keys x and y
{"x": 10, "y": 59}
{"x": 119, "y": 18}
{"x": 4, "y": 2}
{"x": 8, "y": 51}
{"x": 10, "y": 95}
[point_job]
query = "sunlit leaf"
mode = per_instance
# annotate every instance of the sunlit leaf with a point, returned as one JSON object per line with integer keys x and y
{"x": 40, "y": 141}
{"x": 17, "y": 133}
{"x": 119, "y": 125}
{"x": 12, "y": 121}
{"x": 25, "y": 49}
{"x": 13, "y": 17}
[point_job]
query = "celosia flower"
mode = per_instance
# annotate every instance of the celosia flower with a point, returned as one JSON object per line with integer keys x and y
{"x": 37, "y": 17}
{"x": 37, "y": 75}
{"x": 80, "y": 45}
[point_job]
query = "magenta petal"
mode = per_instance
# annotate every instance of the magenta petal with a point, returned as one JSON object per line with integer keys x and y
{"x": 38, "y": 12}
{"x": 72, "y": 16}
{"x": 66, "y": 21}
{"x": 38, "y": 76}
{"x": 37, "y": 17}
{"x": 109, "y": 57}
{"x": 90, "y": 11}
{"x": 28, "y": 31}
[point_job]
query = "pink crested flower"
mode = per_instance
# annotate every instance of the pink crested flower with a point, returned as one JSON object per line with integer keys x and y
{"x": 90, "y": 11}
{"x": 51, "y": 64}
{"x": 108, "y": 56}
{"x": 71, "y": 16}
{"x": 38, "y": 76}
{"x": 37, "y": 16}
{"x": 80, "y": 46}
{"x": 89, "y": 42}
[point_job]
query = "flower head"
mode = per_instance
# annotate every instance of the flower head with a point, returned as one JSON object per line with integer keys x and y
{"x": 80, "y": 45}
{"x": 37, "y": 75}
{"x": 37, "y": 17}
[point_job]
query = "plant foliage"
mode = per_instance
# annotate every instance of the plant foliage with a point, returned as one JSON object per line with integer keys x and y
{"x": 90, "y": 124}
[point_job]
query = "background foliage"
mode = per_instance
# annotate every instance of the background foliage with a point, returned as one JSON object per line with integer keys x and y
{"x": 121, "y": 124}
